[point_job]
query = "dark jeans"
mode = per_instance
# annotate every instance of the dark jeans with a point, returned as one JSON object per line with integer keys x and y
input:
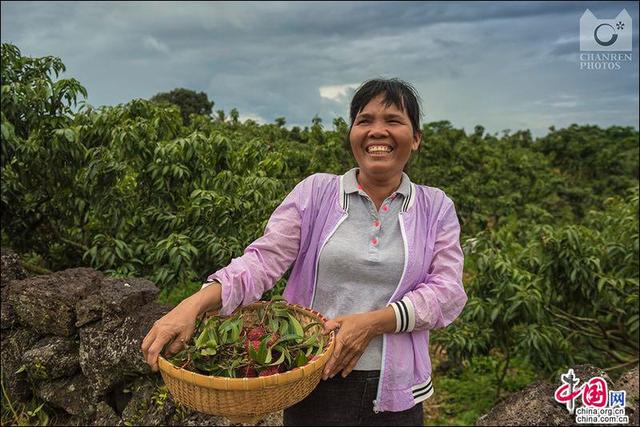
{"x": 348, "y": 402}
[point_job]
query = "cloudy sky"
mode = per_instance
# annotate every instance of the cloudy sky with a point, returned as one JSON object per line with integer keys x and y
{"x": 502, "y": 65}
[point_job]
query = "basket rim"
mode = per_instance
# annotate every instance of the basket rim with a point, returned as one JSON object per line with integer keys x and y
{"x": 253, "y": 383}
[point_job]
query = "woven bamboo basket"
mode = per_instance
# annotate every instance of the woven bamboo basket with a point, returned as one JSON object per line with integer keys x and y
{"x": 248, "y": 400}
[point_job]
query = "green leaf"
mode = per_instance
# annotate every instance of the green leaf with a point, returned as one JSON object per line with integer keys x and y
{"x": 70, "y": 135}
{"x": 279, "y": 361}
{"x": 284, "y": 328}
{"x": 202, "y": 339}
{"x": 264, "y": 354}
{"x": 295, "y": 327}
{"x": 312, "y": 324}
{"x": 495, "y": 312}
{"x": 285, "y": 338}
{"x": 301, "y": 359}
{"x": 208, "y": 351}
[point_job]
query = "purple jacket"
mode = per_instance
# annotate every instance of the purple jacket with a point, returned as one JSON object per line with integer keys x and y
{"x": 430, "y": 294}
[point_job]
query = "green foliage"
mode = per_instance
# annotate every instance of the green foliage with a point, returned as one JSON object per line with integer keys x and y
{"x": 557, "y": 295}
{"x": 33, "y": 412}
{"x": 597, "y": 161}
{"x": 189, "y": 102}
{"x": 461, "y": 396}
{"x": 173, "y": 295}
{"x": 490, "y": 179}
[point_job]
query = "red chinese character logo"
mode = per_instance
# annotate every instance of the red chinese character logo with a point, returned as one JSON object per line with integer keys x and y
{"x": 595, "y": 393}
{"x": 565, "y": 393}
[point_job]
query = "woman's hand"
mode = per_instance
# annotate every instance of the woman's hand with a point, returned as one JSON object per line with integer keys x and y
{"x": 354, "y": 334}
{"x": 173, "y": 329}
{"x": 176, "y": 327}
{"x": 355, "y": 331}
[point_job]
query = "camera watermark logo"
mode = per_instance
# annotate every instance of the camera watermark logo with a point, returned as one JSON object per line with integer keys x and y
{"x": 612, "y": 37}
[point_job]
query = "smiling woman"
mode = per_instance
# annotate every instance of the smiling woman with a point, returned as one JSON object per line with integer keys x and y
{"x": 375, "y": 253}
{"x": 385, "y": 130}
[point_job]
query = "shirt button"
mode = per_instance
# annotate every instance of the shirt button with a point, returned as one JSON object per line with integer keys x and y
{"x": 376, "y": 223}
{"x": 385, "y": 208}
{"x": 374, "y": 241}
{"x": 359, "y": 187}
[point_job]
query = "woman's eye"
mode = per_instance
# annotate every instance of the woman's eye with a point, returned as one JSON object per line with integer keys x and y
{"x": 363, "y": 121}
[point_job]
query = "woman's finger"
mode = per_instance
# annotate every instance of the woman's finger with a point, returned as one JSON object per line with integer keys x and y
{"x": 347, "y": 355}
{"x": 331, "y": 325}
{"x": 177, "y": 345}
{"x": 146, "y": 342}
{"x": 333, "y": 360}
{"x": 154, "y": 350}
{"x": 352, "y": 364}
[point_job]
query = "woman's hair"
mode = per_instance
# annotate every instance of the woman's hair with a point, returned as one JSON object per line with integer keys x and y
{"x": 396, "y": 92}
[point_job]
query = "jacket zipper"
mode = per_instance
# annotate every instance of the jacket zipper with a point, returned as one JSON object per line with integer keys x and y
{"x": 376, "y": 406}
{"x": 315, "y": 283}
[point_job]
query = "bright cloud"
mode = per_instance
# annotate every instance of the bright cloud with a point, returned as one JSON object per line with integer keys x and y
{"x": 337, "y": 93}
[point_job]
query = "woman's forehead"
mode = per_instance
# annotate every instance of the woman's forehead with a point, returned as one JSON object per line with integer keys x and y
{"x": 383, "y": 105}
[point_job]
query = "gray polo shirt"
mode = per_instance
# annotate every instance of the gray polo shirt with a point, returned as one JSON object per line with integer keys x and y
{"x": 361, "y": 264}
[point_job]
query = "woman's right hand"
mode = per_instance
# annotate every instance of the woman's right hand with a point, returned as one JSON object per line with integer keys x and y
{"x": 173, "y": 329}
{"x": 176, "y": 327}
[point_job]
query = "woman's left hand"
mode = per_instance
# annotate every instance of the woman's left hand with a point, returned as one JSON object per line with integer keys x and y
{"x": 352, "y": 339}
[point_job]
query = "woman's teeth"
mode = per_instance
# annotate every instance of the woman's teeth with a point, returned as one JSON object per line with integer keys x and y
{"x": 379, "y": 149}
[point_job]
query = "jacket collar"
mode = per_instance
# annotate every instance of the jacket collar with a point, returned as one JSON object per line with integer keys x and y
{"x": 349, "y": 184}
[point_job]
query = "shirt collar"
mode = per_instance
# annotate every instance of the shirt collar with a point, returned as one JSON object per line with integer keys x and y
{"x": 351, "y": 183}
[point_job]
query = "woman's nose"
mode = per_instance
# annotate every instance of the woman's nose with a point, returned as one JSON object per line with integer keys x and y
{"x": 378, "y": 129}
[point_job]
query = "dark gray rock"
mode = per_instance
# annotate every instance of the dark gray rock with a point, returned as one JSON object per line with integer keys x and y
{"x": 89, "y": 310}
{"x": 10, "y": 268}
{"x": 534, "y": 405}
{"x": 151, "y": 403}
{"x": 52, "y": 357}
{"x": 585, "y": 373}
{"x": 142, "y": 409}
{"x": 14, "y": 344}
{"x": 200, "y": 419}
{"x": 126, "y": 296}
{"x": 629, "y": 383}
{"x": 115, "y": 299}
{"x": 8, "y": 319}
{"x": 111, "y": 356}
{"x": 106, "y": 416}
{"x": 74, "y": 395}
{"x": 47, "y": 303}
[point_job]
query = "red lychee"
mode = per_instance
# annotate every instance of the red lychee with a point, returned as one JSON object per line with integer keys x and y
{"x": 255, "y": 344}
{"x": 248, "y": 372}
{"x": 271, "y": 370}
{"x": 256, "y": 333}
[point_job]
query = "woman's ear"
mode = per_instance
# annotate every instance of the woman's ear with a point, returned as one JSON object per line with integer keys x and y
{"x": 417, "y": 141}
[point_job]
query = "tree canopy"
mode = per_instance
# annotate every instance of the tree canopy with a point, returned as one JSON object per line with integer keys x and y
{"x": 189, "y": 102}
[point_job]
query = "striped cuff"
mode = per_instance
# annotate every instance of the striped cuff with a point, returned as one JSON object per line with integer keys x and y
{"x": 405, "y": 315}
{"x": 422, "y": 391}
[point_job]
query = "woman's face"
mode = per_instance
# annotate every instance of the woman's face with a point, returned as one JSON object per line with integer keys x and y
{"x": 382, "y": 139}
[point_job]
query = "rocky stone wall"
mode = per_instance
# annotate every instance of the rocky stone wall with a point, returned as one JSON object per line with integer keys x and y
{"x": 72, "y": 339}
{"x": 536, "y": 406}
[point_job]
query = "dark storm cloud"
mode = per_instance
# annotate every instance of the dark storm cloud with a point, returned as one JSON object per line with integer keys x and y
{"x": 498, "y": 64}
